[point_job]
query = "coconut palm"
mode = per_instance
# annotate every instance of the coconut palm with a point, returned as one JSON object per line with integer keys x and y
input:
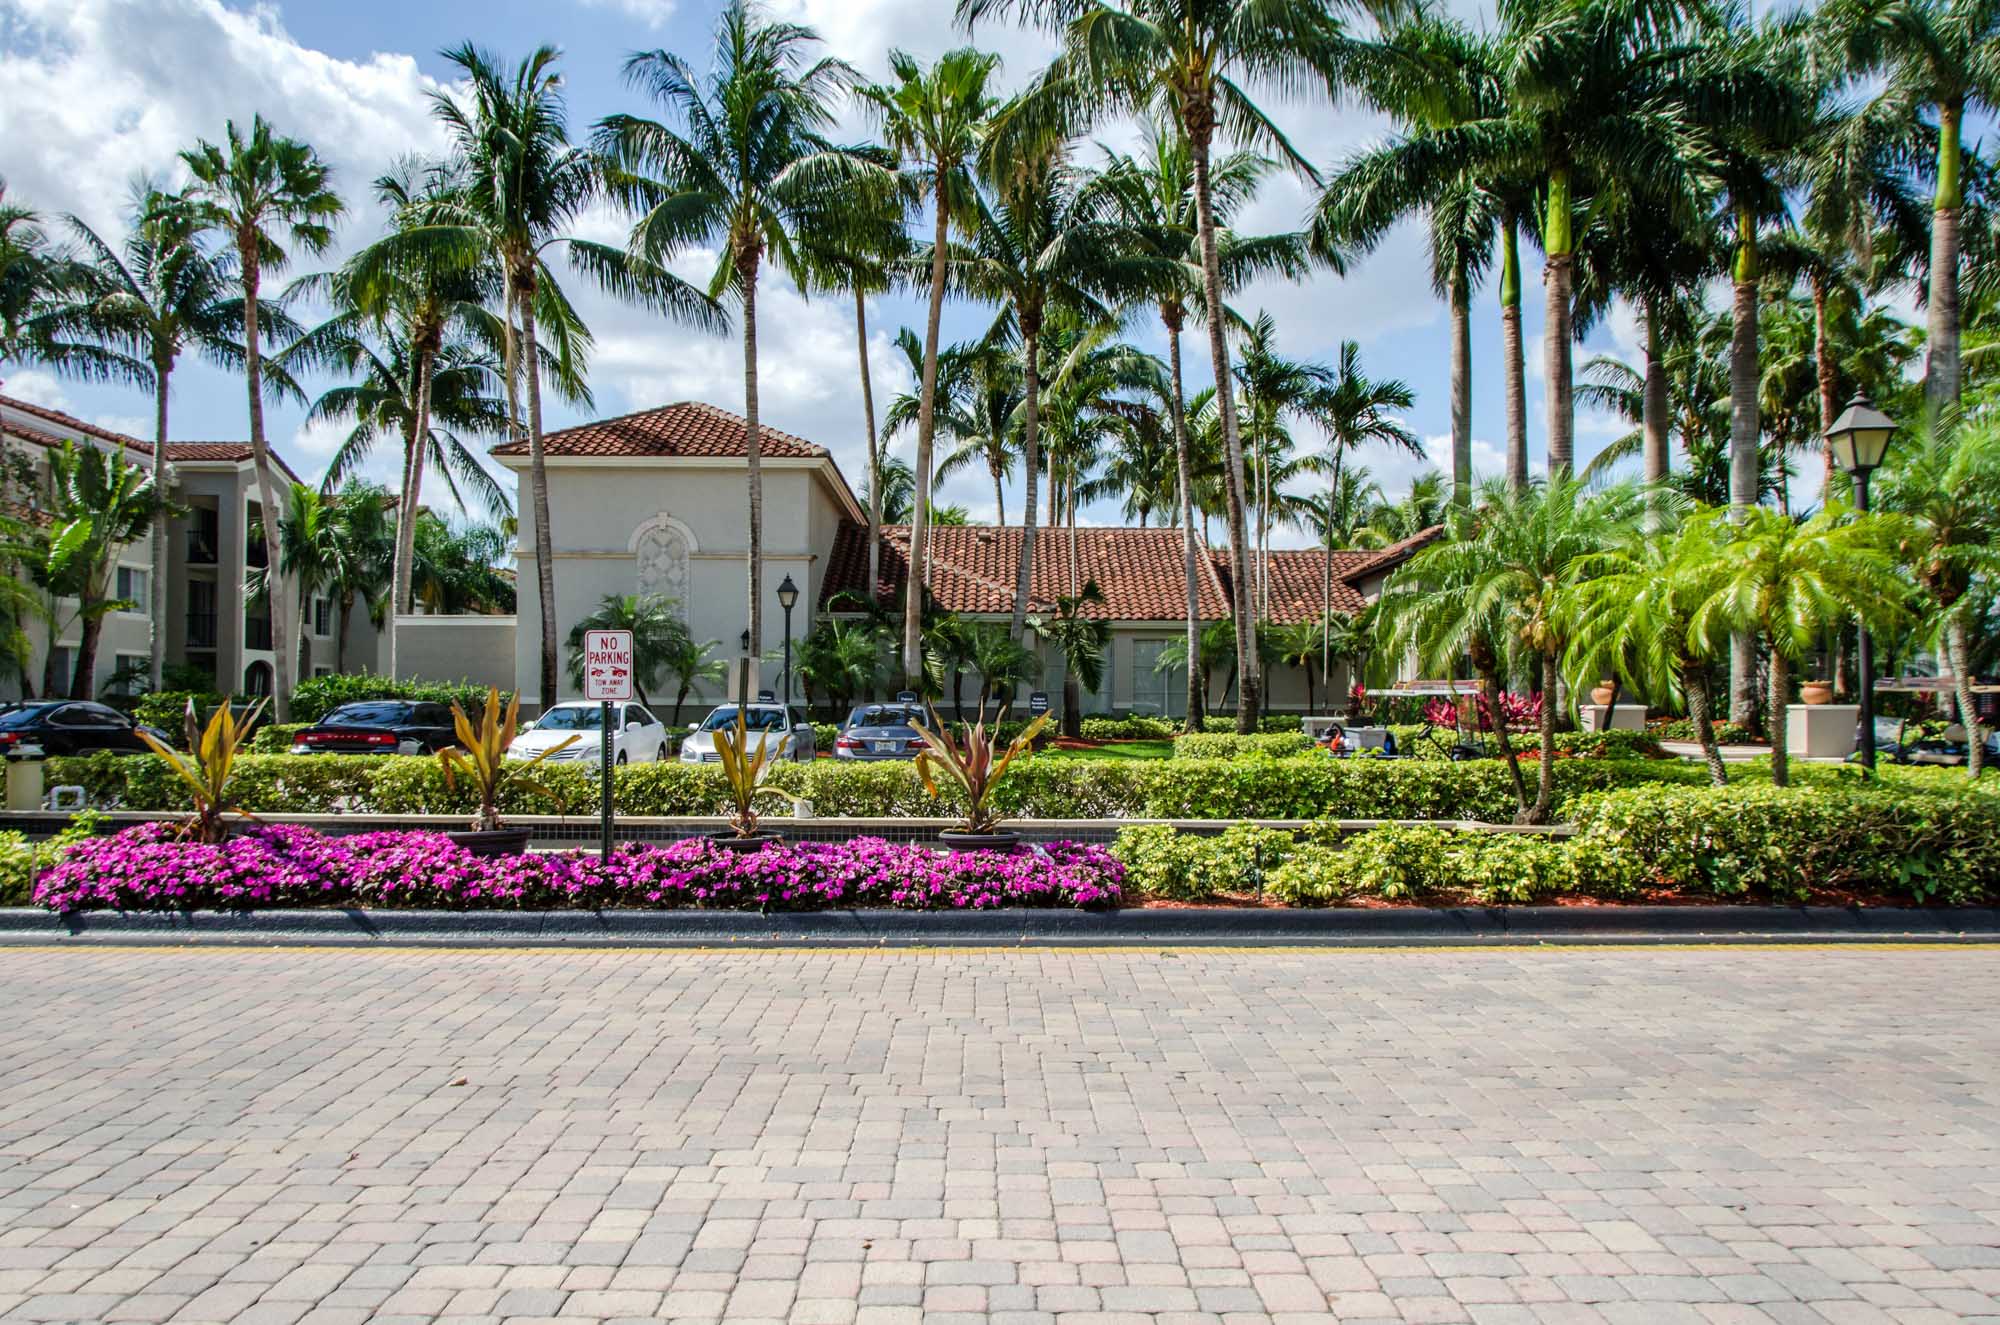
{"x": 32, "y": 269}
{"x": 892, "y": 489}
{"x": 455, "y": 570}
{"x": 97, "y": 503}
{"x": 522, "y": 187}
{"x": 1421, "y": 508}
{"x": 267, "y": 196}
{"x": 934, "y": 120}
{"x": 1495, "y": 582}
{"x": 1275, "y": 390}
{"x": 659, "y": 635}
{"x": 129, "y": 315}
{"x": 1786, "y": 580}
{"x": 1946, "y": 485}
{"x": 986, "y": 423}
{"x": 749, "y": 165}
{"x": 363, "y": 561}
{"x": 1936, "y": 56}
{"x": 1186, "y": 62}
{"x": 1629, "y": 610}
{"x": 1343, "y": 515}
{"x": 1082, "y": 638}
{"x": 1153, "y": 194}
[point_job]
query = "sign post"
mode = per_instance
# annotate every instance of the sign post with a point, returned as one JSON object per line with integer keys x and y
{"x": 607, "y": 678}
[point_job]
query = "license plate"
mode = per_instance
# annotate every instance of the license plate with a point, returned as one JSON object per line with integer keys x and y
{"x": 886, "y": 747}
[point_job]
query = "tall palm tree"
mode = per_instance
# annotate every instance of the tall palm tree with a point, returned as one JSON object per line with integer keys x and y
{"x": 1946, "y": 486}
{"x": 1082, "y": 637}
{"x": 749, "y": 165}
{"x": 1187, "y": 62}
{"x": 364, "y": 553}
{"x": 1275, "y": 389}
{"x": 268, "y": 196}
{"x": 934, "y": 120}
{"x": 1786, "y": 580}
{"x": 987, "y": 426}
{"x": 524, "y": 185}
{"x": 309, "y": 538}
{"x": 129, "y": 315}
{"x": 1154, "y": 197}
{"x": 32, "y": 269}
{"x": 1934, "y": 55}
{"x": 456, "y": 569}
{"x": 97, "y": 504}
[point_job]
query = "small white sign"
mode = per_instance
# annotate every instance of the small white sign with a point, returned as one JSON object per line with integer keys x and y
{"x": 607, "y": 664}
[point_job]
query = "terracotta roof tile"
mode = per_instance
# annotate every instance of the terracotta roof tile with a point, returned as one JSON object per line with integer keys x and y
{"x": 70, "y": 422}
{"x": 226, "y": 452}
{"x": 687, "y": 428}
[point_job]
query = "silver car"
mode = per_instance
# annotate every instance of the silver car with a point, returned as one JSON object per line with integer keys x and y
{"x": 879, "y": 731}
{"x": 786, "y": 735}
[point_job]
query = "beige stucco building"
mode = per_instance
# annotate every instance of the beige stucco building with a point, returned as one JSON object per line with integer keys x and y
{"x": 656, "y": 503}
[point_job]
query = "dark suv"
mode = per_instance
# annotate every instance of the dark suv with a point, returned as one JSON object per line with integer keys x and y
{"x": 69, "y": 727}
{"x": 379, "y": 727}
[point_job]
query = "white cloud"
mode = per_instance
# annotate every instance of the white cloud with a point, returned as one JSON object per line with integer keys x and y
{"x": 653, "y": 13}
{"x": 37, "y": 387}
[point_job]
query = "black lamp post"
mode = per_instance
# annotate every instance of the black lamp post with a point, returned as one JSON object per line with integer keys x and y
{"x": 1860, "y": 439}
{"x": 788, "y": 598}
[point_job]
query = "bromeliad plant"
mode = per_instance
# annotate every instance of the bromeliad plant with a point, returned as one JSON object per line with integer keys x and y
{"x": 484, "y": 760}
{"x": 744, "y": 771}
{"x": 207, "y": 767}
{"x": 972, "y": 764}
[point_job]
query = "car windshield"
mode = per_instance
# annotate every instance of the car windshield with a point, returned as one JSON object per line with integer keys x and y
{"x": 574, "y": 718}
{"x": 759, "y": 720}
{"x": 23, "y": 717}
{"x": 369, "y": 715}
{"x": 883, "y": 715}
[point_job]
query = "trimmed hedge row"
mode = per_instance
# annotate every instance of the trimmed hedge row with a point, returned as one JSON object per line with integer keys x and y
{"x": 1741, "y": 843}
{"x": 1228, "y": 745}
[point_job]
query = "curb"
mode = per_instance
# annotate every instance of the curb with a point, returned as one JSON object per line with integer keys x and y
{"x": 1189, "y": 926}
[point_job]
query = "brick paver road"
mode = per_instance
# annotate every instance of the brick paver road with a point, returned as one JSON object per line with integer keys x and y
{"x": 1693, "y": 1136}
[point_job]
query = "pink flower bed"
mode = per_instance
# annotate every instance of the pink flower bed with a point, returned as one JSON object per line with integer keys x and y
{"x": 148, "y": 869}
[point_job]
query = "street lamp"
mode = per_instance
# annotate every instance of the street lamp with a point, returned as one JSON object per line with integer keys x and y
{"x": 788, "y": 598}
{"x": 1860, "y": 439}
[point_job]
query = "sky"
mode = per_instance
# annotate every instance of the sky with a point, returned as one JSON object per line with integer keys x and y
{"x": 99, "y": 92}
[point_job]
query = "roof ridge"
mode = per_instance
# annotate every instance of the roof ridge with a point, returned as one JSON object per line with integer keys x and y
{"x": 50, "y": 415}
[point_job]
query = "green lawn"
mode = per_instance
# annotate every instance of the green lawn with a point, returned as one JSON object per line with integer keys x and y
{"x": 1115, "y": 750}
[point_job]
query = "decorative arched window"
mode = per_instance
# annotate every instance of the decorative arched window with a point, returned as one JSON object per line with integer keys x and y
{"x": 661, "y": 548}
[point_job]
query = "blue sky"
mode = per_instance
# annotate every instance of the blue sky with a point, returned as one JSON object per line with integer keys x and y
{"x": 101, "y": 89}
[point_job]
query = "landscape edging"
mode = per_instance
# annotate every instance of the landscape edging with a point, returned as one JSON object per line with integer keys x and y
{"x": 1023, "y": 927}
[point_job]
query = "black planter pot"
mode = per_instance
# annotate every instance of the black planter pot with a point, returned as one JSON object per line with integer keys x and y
{"x": 1004, "y": 840}
{"x": 754, "y": 842}
{"x": 494, "y": 841}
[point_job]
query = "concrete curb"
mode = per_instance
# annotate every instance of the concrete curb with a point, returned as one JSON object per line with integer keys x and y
{"x": 1189, "y": 926}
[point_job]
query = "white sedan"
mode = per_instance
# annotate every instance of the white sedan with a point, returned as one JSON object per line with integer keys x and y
{"x": 786, "y": 735}
{"x": 637, "y": 737}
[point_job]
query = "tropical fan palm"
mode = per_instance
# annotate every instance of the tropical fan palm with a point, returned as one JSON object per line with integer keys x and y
{"x": 659, "y": 636}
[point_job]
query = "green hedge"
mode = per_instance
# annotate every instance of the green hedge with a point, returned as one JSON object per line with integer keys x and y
{"x": 1228, "y": 745}
{"x": 1126, "y": 729}
{"x": 1593, "y": 745}
{"x": 315, "y": 698}
{"x": 1267, "y": 724}
{"x": 167, "y": 709}
{"x": 1683, "y": 729}
{"x": 275, "y": 738}
{"x": 22, "y": 861}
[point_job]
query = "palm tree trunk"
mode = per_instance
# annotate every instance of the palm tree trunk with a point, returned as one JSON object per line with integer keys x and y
{"x": 874, "y": 445}
{"x": 1070, "y": 507}
{"x": 1031, "y": 455}
{"x": 1780, "y": 696}
{"x": 1694, "y": 681}
{"x": 84, "y": 670}
{"x": 156, "y": 613}
{"x": 754, "y": 451}
{"x": 538, "y": 474}
{"x": 1461, "y": 388}
{"x": 1184, "y": 490}
{"x": 1326, "y": 579}
{"x": 1489, "y": 678}
{"x": 1263, "y": 534}
{"x": 999, "y": 495}
{"x": 1250, "y": 685}
{"x": 1653, "y": 400}
{"x": 402, "y": 573}
{"x": 340, "y": 634}
{"x": 1545, "y": 776}
{"x": 1513, "y": 369}
{"x": 1828, "y": 374}
{"x": 1556, "y": 329}
{"x": 1743, "y": 457}
{"x": 1958, "y": 644}
{"x": 1941, "y": 363}
{"x": 920, "y": 517}
{"x": 267, "y": 481}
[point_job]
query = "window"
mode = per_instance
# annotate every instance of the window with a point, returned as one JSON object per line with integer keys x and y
{"x": 1153, "y": 691}
{"x": 135, "y": 585}
{"x": 322, "y": 616}
{"x": 85, "y": 715}
{"x": 321, "y": 669}
{"x": 132, "y": 672}
{"x": 633, "y": 713}
{"x": 65, "y": 656}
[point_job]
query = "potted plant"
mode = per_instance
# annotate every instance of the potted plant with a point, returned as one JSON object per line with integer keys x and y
{"x": 743, "y": 772}
{"x": 206, "y": 770}
{"x": 1604, "y": 692}
{"x": 1816, "y": 692}
{"x": 974, "y": 766}
{"x": 484, "y": 762}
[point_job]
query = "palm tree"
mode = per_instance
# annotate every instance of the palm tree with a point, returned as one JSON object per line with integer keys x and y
{"x": 364, "y": 547}
{"x": 308, "y": 550}
{"x": 750, "y": 165}
{"x": 658, "y": 637}
{"x": 1946, "y": 488}
{"x": 1353, "y": 409}
{"x": 1274, "y": 388}
{"x": 1081, "y": 639}
{"x": 97, "y": 504}
{"x": 1786, "y": 580}
{"x": 934, "y": 120}
{"x": 892, "y": 490}
{"x": 1304, "y": 645}
{"x": 32, "y": 269}
{"x": 523, "y": 186}
{"x": 454, "y": 570}
{"x": 1154, "y": 198}
{"x": 1629, "y": 610}
{"x": 1187, "y": 62}
{"x": 838, "y": 658}
{"x": 691, "y": 663}
{"x": 262, "y": 193}
{"x": 985, "y": 421}
{"x": 1344, "y": 515}
{"x": 1098, "y": 394}
{"x": 1496, "y": 580}
{"x": 1934, "y": 55}
{"x": 1421, "y": 508}
{"x": 1003, "y": 663}
{"x": 130, "y": 314}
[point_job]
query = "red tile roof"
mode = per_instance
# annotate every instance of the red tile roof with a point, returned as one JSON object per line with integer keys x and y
{"x": 687, "y": 428}
{"x": 68, "y": 421}
{"x": 1141, "y": 572}
{"x": 225, "y": 452}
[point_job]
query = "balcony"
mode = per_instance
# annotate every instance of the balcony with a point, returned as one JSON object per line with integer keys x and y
{"x": 204, "y": 538}
{"x": 201, "y": 630}
{"x": 257, "y": 632}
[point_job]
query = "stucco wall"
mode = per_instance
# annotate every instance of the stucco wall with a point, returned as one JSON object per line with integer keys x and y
{"x": 479, "y": 649}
